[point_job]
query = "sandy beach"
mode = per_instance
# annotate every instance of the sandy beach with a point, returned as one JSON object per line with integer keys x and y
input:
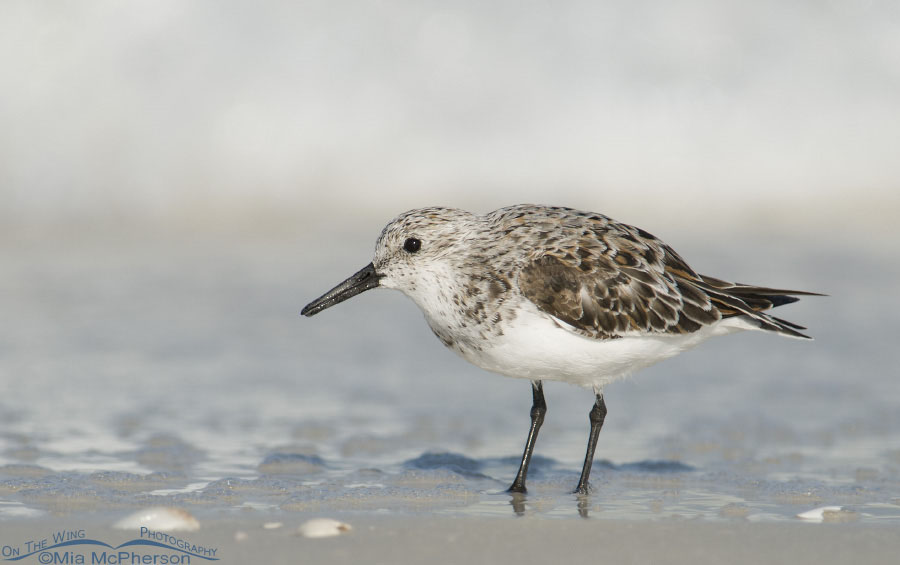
{"x": 429, "y": 539}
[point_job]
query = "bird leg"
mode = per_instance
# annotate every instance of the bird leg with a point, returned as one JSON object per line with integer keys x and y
{"x": 538, "y": 409}
{"x": 597, "y": 415}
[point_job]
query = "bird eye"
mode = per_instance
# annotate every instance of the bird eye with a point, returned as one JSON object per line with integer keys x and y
{"x": 412, "y": 245}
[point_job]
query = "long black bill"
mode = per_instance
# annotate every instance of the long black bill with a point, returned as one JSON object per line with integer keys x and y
{"x": 361, "y": 281}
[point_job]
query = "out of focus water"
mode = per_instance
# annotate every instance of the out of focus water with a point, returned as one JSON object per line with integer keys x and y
{"x": 178, "y": 371}
{"x": 162, "y": 107}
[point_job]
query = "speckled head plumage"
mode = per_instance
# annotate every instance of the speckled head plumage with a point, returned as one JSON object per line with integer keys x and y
{"x": 437, "y": 257}
{"x": 418, "y": 240}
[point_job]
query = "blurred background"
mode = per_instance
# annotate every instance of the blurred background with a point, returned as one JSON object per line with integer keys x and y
{"x": 166, "y": 113}
{"x": 178, "y": 178}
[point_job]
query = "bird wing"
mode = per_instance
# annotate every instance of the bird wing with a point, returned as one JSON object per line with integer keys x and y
{"x": 622, "y": 281}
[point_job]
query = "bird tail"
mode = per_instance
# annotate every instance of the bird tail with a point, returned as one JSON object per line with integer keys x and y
{"x": 751, "y": 302}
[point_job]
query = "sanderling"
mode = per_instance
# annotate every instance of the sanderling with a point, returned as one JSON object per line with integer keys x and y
{"x": 550, "y": 293}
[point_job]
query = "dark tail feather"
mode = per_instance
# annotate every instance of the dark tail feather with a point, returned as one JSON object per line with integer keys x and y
{"x": 788, "y": 324}
{"x": 782, "y": 299}
{"x": 731, "y": 306}
{"x": 779, "y": 325}
{"x": 735, "y": 299}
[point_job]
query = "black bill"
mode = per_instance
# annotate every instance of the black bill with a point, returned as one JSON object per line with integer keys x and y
{"x": 363, "y": 280}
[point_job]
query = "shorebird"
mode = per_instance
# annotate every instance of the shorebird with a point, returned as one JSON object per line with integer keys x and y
{"x": 552, "y": 293}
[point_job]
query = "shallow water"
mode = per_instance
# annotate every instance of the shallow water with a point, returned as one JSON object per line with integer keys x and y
{"x": 180, "y": 372}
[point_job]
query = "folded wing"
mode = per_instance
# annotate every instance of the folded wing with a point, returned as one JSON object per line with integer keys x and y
{"x": 623, "y": 281}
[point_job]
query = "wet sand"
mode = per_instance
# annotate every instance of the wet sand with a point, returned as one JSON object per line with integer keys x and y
{"x": 430, "y": 539}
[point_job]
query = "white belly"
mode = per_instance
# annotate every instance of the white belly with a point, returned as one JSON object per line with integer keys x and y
{"x": 537, "y": 346}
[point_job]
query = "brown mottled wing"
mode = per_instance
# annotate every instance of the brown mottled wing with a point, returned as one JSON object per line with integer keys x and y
{"x": 621, "y": 280}
{"x": 618, "y": 283}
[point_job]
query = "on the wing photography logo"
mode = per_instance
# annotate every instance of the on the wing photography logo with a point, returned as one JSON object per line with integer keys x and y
{"x": 74, "y": 547}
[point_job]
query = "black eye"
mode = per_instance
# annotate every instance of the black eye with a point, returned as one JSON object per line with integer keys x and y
{"x": 412, "y": 245}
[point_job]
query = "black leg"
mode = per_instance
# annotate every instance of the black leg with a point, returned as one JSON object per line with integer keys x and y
{"x": 538, "y": 409}
{"x": 597, "y": 415}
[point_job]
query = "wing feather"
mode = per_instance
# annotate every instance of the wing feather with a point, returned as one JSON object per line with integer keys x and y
{"x": 613, "y": 280}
